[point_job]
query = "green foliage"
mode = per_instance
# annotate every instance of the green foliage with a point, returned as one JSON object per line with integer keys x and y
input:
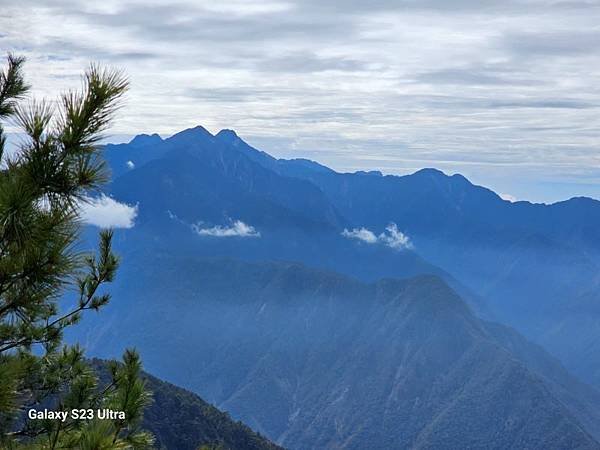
{"x": 12, "y": 88}
{"x": 181, "y": 420}
{"x": 41, "y": 188}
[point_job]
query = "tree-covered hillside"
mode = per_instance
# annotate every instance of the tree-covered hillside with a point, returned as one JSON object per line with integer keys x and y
{"x": 313, "y": 359}
{"x": 180, "y": 420}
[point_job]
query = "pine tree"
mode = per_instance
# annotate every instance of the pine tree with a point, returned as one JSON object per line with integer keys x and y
{"x": 42, "y": 186}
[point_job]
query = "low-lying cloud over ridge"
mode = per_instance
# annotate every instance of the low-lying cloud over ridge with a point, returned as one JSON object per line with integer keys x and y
{"x": 237, "y": 228}
{"x": 391, "y": 237}
{"x": 105, "y": 212}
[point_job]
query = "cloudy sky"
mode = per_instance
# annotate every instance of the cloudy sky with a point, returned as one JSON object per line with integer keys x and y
{"x": 506, "y": 92}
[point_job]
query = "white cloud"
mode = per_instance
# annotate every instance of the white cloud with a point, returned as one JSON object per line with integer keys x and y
{"x": 105, "y": 212}
{"x": 391, "y": 237}
{"x": 479, "y": 97}
{"x": 361, "y": 234}
{"x": 130, "y": 165}
{"x": 237, "y": 228}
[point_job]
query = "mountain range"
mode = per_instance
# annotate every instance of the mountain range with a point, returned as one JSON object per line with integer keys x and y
{"x": 314, "y": 359}
{"x": 355, "y": 310}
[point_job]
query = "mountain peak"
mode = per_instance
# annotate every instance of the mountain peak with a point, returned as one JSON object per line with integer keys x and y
{"x": 192, "y": 136}
{"x": 431, "y": 172}
{"x": 227, "y": 135}
{"x": 372, "y": 173}
{"x": 145, "y": 139}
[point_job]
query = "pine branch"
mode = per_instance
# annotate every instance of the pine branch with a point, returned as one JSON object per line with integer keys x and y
{"x": 101, "y": 271}
{"x": 12, "y": 85}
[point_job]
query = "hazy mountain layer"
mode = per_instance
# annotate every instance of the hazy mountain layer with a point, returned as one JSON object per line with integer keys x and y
{"x": 313, "y": 359}
{"x": 536, "y": 266}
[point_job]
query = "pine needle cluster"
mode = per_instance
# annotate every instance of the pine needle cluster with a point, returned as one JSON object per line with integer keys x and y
{"x": 43, "y": 183}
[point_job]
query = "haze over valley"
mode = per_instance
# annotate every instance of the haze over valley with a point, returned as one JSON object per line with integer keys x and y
{"x": 345, "y": 310}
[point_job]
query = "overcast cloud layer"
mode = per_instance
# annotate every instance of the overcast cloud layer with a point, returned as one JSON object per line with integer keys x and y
{"x": 505, "y": 92}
